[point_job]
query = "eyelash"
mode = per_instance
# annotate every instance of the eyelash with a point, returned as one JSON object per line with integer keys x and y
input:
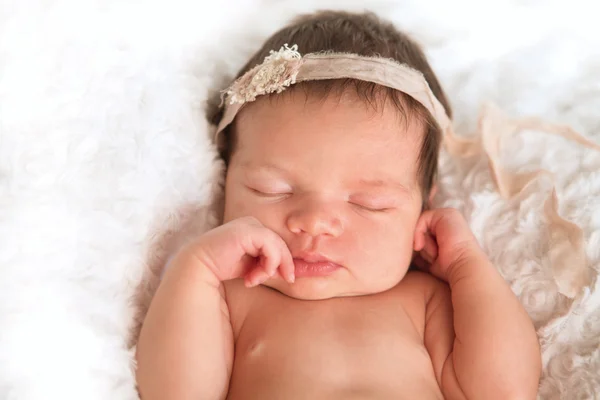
{"x": 265, "y": 194}
{"x": 284, "y": 194}
{"x": 375, "y": 210}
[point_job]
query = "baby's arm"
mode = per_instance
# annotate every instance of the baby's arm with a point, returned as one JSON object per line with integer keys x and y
{"x": 185, "y": 349}
{"x": 489, "y": 348}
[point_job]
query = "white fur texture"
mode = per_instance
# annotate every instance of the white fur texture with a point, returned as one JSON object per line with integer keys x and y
{"x": 105, "y": 165}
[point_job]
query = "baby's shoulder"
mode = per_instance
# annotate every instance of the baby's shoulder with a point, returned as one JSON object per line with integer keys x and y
{"x": 415, "y": 292}
{"x": 421, "y": 285}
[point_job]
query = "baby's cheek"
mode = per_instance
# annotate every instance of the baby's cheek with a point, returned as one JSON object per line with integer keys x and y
{"x": 237, "y": 206}
{"x": 400, "y": 250}
{"x": 390, "y": 250}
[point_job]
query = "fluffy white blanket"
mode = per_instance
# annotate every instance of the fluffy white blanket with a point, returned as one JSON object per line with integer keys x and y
{"x": 105, "y": 165}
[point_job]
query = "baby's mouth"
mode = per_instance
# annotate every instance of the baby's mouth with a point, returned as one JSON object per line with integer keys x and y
{"x": 314, "y": 265}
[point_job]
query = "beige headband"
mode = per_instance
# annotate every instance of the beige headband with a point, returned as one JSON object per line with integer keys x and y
{"x": 285, "y": 67}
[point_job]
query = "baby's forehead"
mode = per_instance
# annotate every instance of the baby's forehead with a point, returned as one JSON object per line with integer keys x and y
{"x": 361, "y": 99}
{"x": 345, "y": 132}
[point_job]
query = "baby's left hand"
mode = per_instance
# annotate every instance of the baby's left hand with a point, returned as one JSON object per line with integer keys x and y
{"x": 444, "y": 241}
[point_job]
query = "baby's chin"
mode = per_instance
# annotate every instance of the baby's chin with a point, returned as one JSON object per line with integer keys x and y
{"x": 308, "y": 289}
{"x": 323, "y": 288}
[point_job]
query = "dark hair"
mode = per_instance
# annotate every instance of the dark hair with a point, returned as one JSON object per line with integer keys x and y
{"x": 367, "y": 35}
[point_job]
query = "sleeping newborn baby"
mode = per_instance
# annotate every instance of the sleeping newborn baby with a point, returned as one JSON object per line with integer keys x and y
{"x": 306, "y": 291}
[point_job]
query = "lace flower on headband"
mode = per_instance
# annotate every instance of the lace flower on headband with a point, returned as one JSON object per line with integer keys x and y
{"x": 278, "y": 71}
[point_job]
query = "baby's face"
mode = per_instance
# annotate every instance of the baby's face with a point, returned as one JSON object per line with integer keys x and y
{"x": 337, "y": 181}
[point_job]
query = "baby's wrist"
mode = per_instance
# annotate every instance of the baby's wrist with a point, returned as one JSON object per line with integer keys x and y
{"x": 473, "y": 262}
{"x": 190, "y": 264}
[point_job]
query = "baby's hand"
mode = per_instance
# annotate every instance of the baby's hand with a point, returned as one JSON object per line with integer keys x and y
{"x": 243, "y": 248}
{"x": 444, "y": 241}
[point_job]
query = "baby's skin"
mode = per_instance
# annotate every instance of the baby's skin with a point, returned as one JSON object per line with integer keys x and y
{"x": 305, "y": 291}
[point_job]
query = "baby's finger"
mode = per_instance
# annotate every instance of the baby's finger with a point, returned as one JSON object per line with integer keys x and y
{"x": 430, "y": 248}
{"x": 420, "y": 262}
{"x": 271, "y": 257}
{"x": 423, "y": 230}
{"x": 418, "y": 241}
{"x": 287, "y": 267}
{"x": 256, "y": 277}
{"x": 255, "y": 239}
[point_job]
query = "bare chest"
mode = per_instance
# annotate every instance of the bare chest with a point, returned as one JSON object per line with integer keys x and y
{"x": 337, "y": 347}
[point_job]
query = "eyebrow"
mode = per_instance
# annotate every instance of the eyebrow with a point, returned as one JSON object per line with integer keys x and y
{"x": 383, "y": 183}
{"x": 258, "y": 167}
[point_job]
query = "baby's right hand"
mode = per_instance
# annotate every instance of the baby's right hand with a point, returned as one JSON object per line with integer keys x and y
{"x": 243, "y": 248}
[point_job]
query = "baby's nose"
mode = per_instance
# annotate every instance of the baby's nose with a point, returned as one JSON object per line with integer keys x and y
{"x": 315, "y": 220}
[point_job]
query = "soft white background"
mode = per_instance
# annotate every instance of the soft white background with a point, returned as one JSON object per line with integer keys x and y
{"x": 105, "y": 164}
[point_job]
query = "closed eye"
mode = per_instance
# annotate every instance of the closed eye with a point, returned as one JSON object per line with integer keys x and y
{"x": 268, "y": 194}
{"x": 372, "y": 209}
